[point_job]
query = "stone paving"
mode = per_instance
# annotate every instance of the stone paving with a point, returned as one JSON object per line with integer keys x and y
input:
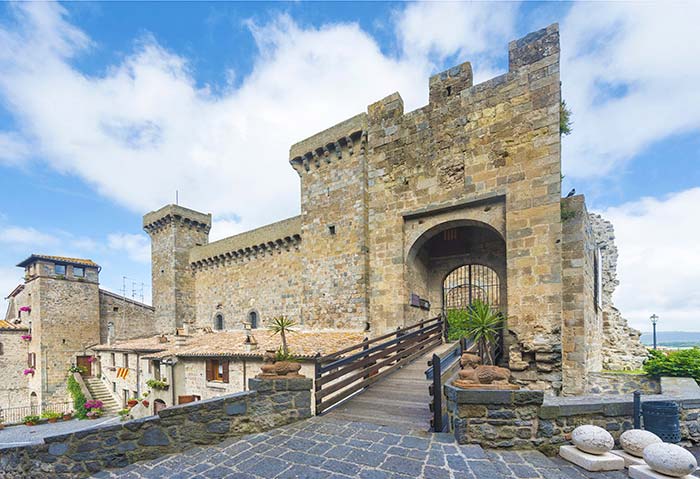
{"x": 21, "y": 435}
{"x": 325, "y": 447}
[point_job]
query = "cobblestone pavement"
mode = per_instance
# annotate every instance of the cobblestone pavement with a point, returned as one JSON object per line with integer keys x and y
{"x": 331, "y": 448}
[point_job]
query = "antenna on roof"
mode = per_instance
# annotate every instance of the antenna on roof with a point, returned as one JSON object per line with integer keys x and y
{"x": 177, "y": 197}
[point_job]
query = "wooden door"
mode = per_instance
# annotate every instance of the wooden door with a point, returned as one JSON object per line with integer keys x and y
{"x": 83, "y": 362}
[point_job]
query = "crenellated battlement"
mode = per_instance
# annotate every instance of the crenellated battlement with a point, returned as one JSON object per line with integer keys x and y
{"x": 169, "y": 214}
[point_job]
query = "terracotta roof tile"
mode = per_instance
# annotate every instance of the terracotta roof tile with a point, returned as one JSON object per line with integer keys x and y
{"x": 64, "y": 259}
{"x": 232, "y": 343}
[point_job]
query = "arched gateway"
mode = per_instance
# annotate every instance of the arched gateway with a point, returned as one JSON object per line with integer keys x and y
{"x": 454, "y": 264}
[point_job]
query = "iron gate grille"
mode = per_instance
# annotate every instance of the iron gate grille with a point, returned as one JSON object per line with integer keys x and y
{"x": 469, "y": 283}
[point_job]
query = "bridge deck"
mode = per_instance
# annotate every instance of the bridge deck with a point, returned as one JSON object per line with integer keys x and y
{"x": 399, "y": 400}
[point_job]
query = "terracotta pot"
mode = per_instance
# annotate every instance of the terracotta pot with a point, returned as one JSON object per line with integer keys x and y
{"x": 52, "y": 420}
{"x": 145, "y": 403}
{"x": 67, "y": 417}
{"x": 131, "y": 403}
{"x": 2, "y": 426}
{"x": 30, "y": 424}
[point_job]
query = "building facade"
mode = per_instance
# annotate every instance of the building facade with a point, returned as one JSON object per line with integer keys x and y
{"x": 53, "y": 319}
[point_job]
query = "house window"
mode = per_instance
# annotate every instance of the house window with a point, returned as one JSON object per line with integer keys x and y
{"x": 156, "y": 370}
{"x": 219, "y": 322}
{"x": 125, "y": 360}
{"x": 114, "y": 387}
{"x": 78, "y": 272}
{"x": 2, "y": 350}
{"x": 253, "y": 319}
{"x": 59, "y": 269}
{"x": 217, "y": 370}
{"x": 114, "y": 359}
{"x": 31, "y": 360}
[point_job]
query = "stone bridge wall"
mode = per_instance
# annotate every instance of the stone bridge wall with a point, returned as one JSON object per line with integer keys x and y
{"x": 267, "y": 405}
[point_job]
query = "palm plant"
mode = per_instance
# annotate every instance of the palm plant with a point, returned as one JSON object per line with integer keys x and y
{"x": 282, "y": 325}
{"x": 482, "y": 326}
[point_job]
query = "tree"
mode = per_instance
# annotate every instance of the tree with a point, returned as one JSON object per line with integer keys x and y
{"x": 282, "y": 325}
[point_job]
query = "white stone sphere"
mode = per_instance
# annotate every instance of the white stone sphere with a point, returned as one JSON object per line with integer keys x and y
{"x": 670, "y": 459}
{"x": 635, "y": 440}
{"x": 592, "y": 439}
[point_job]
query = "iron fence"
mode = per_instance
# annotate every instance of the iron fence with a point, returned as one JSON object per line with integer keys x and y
{"x": 14, "y": 415}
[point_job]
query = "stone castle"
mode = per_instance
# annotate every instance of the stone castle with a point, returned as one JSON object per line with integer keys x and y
{"x": 405, "y": 215}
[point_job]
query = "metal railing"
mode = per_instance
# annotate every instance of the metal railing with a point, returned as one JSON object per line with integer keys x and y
{"x": 342, "y": 374}
{"x": 15, "y": 415}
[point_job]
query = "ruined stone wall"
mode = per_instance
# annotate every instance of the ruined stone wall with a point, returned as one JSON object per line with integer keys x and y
{"x": 621, "y": 347}
{"x": 174, "y": 231}
{"x": 269, "y": 283}
{"x": 333, "y": 171}
{"x": 582, "y": 323}
{"x": 13, "y": 360}
{"x": 498, "y": 139}
{"x": 130, "y": 319}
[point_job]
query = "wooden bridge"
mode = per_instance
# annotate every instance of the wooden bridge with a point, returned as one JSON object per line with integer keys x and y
{"x": 383, "y": 380}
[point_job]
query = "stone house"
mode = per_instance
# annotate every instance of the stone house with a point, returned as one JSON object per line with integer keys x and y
{"x": 61, "y": 312}
{"x": 203, "y": 365}
{"x": 405, "y": 215}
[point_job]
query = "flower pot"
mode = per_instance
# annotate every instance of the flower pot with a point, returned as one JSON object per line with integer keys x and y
{"x": 29, "y": 423}
{"x": 53, "y": 420}
{"x": 145, "y": 403}
{"x": 2, "y": 426}
{"x": 131, "y": 403}
{"x": 67, "y": 417}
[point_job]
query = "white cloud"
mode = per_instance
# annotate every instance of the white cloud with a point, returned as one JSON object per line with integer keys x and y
{"x": 25, "y": 237}
{"x": 13, "y": 149}
{"x": 136, "y": 246}
{"x": 659, "y": 260}
{"x": 630, "y": 75}
{"x": 144, "y": 129}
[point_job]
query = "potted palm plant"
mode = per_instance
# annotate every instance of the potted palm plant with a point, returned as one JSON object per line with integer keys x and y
{"x": 482, "y": 327}
{"x": 281, "y": 362}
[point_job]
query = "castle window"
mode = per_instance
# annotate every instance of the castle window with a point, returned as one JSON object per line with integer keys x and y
{"x": 219, "y": 322}
{"x": 331, "y": 229}
{"x": 253, "y": 319}
{"x": 115, "y": 309}
{"x": 59, "y": 269}
{"x": 217, "y": 370}
{"x": 597, "y": 279}
{"x": 78, "y": 272}
{"x": 31, "y": 360}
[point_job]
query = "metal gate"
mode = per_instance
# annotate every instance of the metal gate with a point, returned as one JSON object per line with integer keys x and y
{"x": 469, "y": 283}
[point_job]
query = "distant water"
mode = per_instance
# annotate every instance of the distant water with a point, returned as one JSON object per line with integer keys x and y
{"x": 673, "y": 338}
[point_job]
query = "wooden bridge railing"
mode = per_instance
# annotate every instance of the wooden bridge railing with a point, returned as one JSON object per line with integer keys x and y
{"x": 440, "y": 369}
{"x": 345, "y": 372}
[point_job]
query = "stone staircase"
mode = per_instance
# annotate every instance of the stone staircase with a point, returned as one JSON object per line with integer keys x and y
{"x": 99, "y": 391}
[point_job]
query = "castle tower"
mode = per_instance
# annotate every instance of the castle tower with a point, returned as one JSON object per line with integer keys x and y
{"x": 174, "y": 231}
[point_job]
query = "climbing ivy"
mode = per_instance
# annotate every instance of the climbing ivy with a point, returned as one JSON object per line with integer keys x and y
{"x": 79, "y": 398}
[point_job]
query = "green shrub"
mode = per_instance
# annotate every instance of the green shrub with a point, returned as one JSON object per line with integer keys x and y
{"x": 79, "y": 398}
{"x": 156, "y": 384}
{"x": 51, "y": 415}
{"x": 31, "y": 419}
{"x": 457, "y": 321}
{"x": 683, "y": 363}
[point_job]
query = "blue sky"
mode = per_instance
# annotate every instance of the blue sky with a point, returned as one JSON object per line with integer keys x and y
{"x": 107, "y": 108}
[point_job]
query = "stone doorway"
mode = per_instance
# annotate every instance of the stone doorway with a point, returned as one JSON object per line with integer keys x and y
{"x": 85, "y": 363}
{"x": 454, "y": 263}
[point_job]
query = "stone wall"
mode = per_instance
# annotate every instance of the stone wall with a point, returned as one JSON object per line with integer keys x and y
{"x": 13, "y": 360}
{"x": 582, "y": 322}
{"x": 269, "y": 283}
{"x": 620, "y": 383}
{"x": 621, "y": 347}
{"x": 527, "y": 420}
{"x": 129, "y": 318}
{"x": 268, "y": 404}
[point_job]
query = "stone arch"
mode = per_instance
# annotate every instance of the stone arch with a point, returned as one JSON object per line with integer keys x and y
{"x": 34, "y": 403}
{"x": 158, "y": 404}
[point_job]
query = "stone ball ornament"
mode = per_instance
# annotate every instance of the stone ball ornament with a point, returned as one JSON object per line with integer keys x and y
{"x": 592, "y": 439}
{"x": 670, "y": 459}
{"x": 635, "y": 440}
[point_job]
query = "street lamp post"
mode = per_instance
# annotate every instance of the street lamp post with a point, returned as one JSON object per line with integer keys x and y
{"x": 654, "y": 319}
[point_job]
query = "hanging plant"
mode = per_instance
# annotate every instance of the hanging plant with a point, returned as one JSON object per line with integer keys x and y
{"x": 25, "y": 309}
{"x": 29, "y": 371}
{"x": 90, "y": 359}
{"x": 26, "y": 337}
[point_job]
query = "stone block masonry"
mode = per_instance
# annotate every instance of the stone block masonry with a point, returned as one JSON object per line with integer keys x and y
{"x": 267, "y": 405}
{"x": 528, "y": 420}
